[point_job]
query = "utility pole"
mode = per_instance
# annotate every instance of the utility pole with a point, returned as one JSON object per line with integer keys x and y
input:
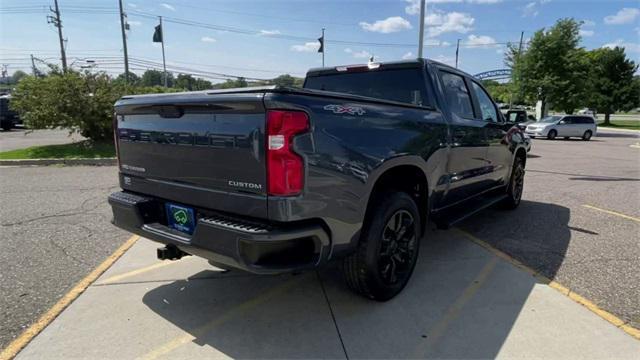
{"x": 123, "y": 27}
{"x": 520, "y": 47}
{"x": 33, "y": 66}
{"x": 421, "y": 35}
{"x": 323, "y": 42}
{"x": 55, "y": 20}
{"x": 457, "y": 51}
{"x": 164, "y": 63}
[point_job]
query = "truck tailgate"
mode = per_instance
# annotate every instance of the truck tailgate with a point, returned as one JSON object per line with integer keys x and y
{"x": 198, "y": 149}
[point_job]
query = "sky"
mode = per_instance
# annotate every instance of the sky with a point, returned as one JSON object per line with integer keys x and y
{"x": 264, "y": 38}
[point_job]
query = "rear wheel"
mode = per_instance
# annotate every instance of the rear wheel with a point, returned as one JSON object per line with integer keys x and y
{"x": 388, "y": 248}
{"x": 587, "y": 135}
{"x": 552, "y": 134}
{"x": 516, "y": 185}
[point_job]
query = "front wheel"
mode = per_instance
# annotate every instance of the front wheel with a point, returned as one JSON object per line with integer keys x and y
{"x": 388, "y": 249}
{"x": 516, "y": 186}
{"x": 587, "y": 135}
{"x": 552, "y": 134}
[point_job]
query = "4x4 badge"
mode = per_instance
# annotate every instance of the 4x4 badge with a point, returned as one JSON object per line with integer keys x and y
{"x": 342, "y": 109}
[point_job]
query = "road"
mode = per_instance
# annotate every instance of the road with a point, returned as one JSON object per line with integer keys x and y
{"x": 20, "y": 138}
{"x": 571, "y": 227}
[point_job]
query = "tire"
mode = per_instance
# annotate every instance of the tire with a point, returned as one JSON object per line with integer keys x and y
{"x": 587, "y": 135}
{"x": 388, "y": 249}
{"x": 7, "y": 126}
{"x": 552, "y": 134}
{"x": 516, "y": 186}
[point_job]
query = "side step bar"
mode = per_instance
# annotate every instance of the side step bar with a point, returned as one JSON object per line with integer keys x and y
{"x": 447, "y": 218}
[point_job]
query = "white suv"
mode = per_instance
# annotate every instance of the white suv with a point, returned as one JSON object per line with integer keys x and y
{"x": 565, "y": 126}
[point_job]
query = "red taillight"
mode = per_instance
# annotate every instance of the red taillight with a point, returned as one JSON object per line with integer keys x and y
{"x": 285, "y": 168}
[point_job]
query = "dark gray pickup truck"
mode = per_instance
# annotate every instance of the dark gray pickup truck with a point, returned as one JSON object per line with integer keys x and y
{"x": 350, "y": 167}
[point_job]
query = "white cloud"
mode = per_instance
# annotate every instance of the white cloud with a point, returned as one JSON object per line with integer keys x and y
{"x": 208, "y": 39}
{"x": 414, "y": 5}
{"x": 388, "y": 25}
{"x": 408, "y": 56}
{"x": 168, "y": 7}
{"x": 624, "y": 16}
{"x": 588, "y": 23}
{"x": 269, "y": 32}
{"x": 438, "y": 23}
{"x": 482, "y": 41}
{"x": 134, "y": 22}
{"x": 132, "y": 5}
{"x": 629, "y": 47}
{"x": 586, "y": 33}
{"x": 436, "y": 42}
{"x": 530, "y": 9}
{"x": 358, "y": 54}
{"x": 307, "y": 47}
{"x": 449, "y": 60}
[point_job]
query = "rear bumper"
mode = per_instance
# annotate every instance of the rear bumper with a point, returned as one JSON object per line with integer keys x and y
{"x": 235, "y": 242}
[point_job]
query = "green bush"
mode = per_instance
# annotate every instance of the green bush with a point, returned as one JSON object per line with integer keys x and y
{"x": 79, "y": 102}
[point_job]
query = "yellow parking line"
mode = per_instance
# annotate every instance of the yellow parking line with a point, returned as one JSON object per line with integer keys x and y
{"x": 231, "y": 313}
{"x": 614, "y": 320}
{"x": 131, "y": 273}
{"x": 16, "y": 345}
{"x": 612, "y": 212}
{"x": 454, "y": 309}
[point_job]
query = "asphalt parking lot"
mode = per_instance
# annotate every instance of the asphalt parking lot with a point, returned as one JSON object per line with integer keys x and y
{"x": 20, "y": 137}
{"x": 578, "y": 224}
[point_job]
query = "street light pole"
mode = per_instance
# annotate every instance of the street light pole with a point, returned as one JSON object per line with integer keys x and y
{"x": 124, "y": 45}
{"x": 421, "y": 35}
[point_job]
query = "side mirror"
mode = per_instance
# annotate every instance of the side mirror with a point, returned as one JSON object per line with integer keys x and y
{"x": 562, "y": 122}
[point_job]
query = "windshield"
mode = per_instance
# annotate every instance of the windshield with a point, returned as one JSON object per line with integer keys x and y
{"x": 550, "y": 119}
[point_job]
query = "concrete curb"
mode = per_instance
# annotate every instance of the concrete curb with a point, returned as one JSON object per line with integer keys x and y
{"x": 45, "y": 162}
{"x": 604, "y": 128}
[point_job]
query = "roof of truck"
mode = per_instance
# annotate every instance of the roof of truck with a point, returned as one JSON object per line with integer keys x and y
{"x": 401, "y": 64}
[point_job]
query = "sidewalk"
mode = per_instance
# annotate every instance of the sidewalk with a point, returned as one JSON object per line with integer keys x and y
{"x": 463, "y": 301}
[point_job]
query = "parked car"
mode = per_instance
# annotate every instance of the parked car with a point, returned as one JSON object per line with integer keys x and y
{"x": 8, "y": 117}
{"x": 519, "y": 117}
{"x": 277, "y": 179}
{"x": 565, "y": 126}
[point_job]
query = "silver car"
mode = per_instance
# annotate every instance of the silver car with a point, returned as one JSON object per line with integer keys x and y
{"x": 565, "y": 126}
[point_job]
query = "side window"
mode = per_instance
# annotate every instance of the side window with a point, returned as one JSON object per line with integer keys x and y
{"x": 457, "y": 95}
{"x": 569, "y": 120}
{"x": 487, "y": 108}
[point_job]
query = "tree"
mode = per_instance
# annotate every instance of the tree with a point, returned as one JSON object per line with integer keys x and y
{"x": 80, "y": 102}
{"x": 230, "y": 84}
{"x": 17, "y": 75}
{"x": 499, "y": 92}
{"x": 284, "y": 80}
{"x": 188, "y": 82}
{"x": 554, "y": 68}
{"x": 612, "y": 86}
{"x": 134, "y": 79}
{"x": 156, "y": 78}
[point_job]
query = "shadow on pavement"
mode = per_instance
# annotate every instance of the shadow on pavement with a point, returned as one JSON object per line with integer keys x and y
{"x": 462, "y": 301}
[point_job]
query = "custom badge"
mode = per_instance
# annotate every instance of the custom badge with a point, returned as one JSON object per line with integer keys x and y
{"x": 342, "y": 109}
